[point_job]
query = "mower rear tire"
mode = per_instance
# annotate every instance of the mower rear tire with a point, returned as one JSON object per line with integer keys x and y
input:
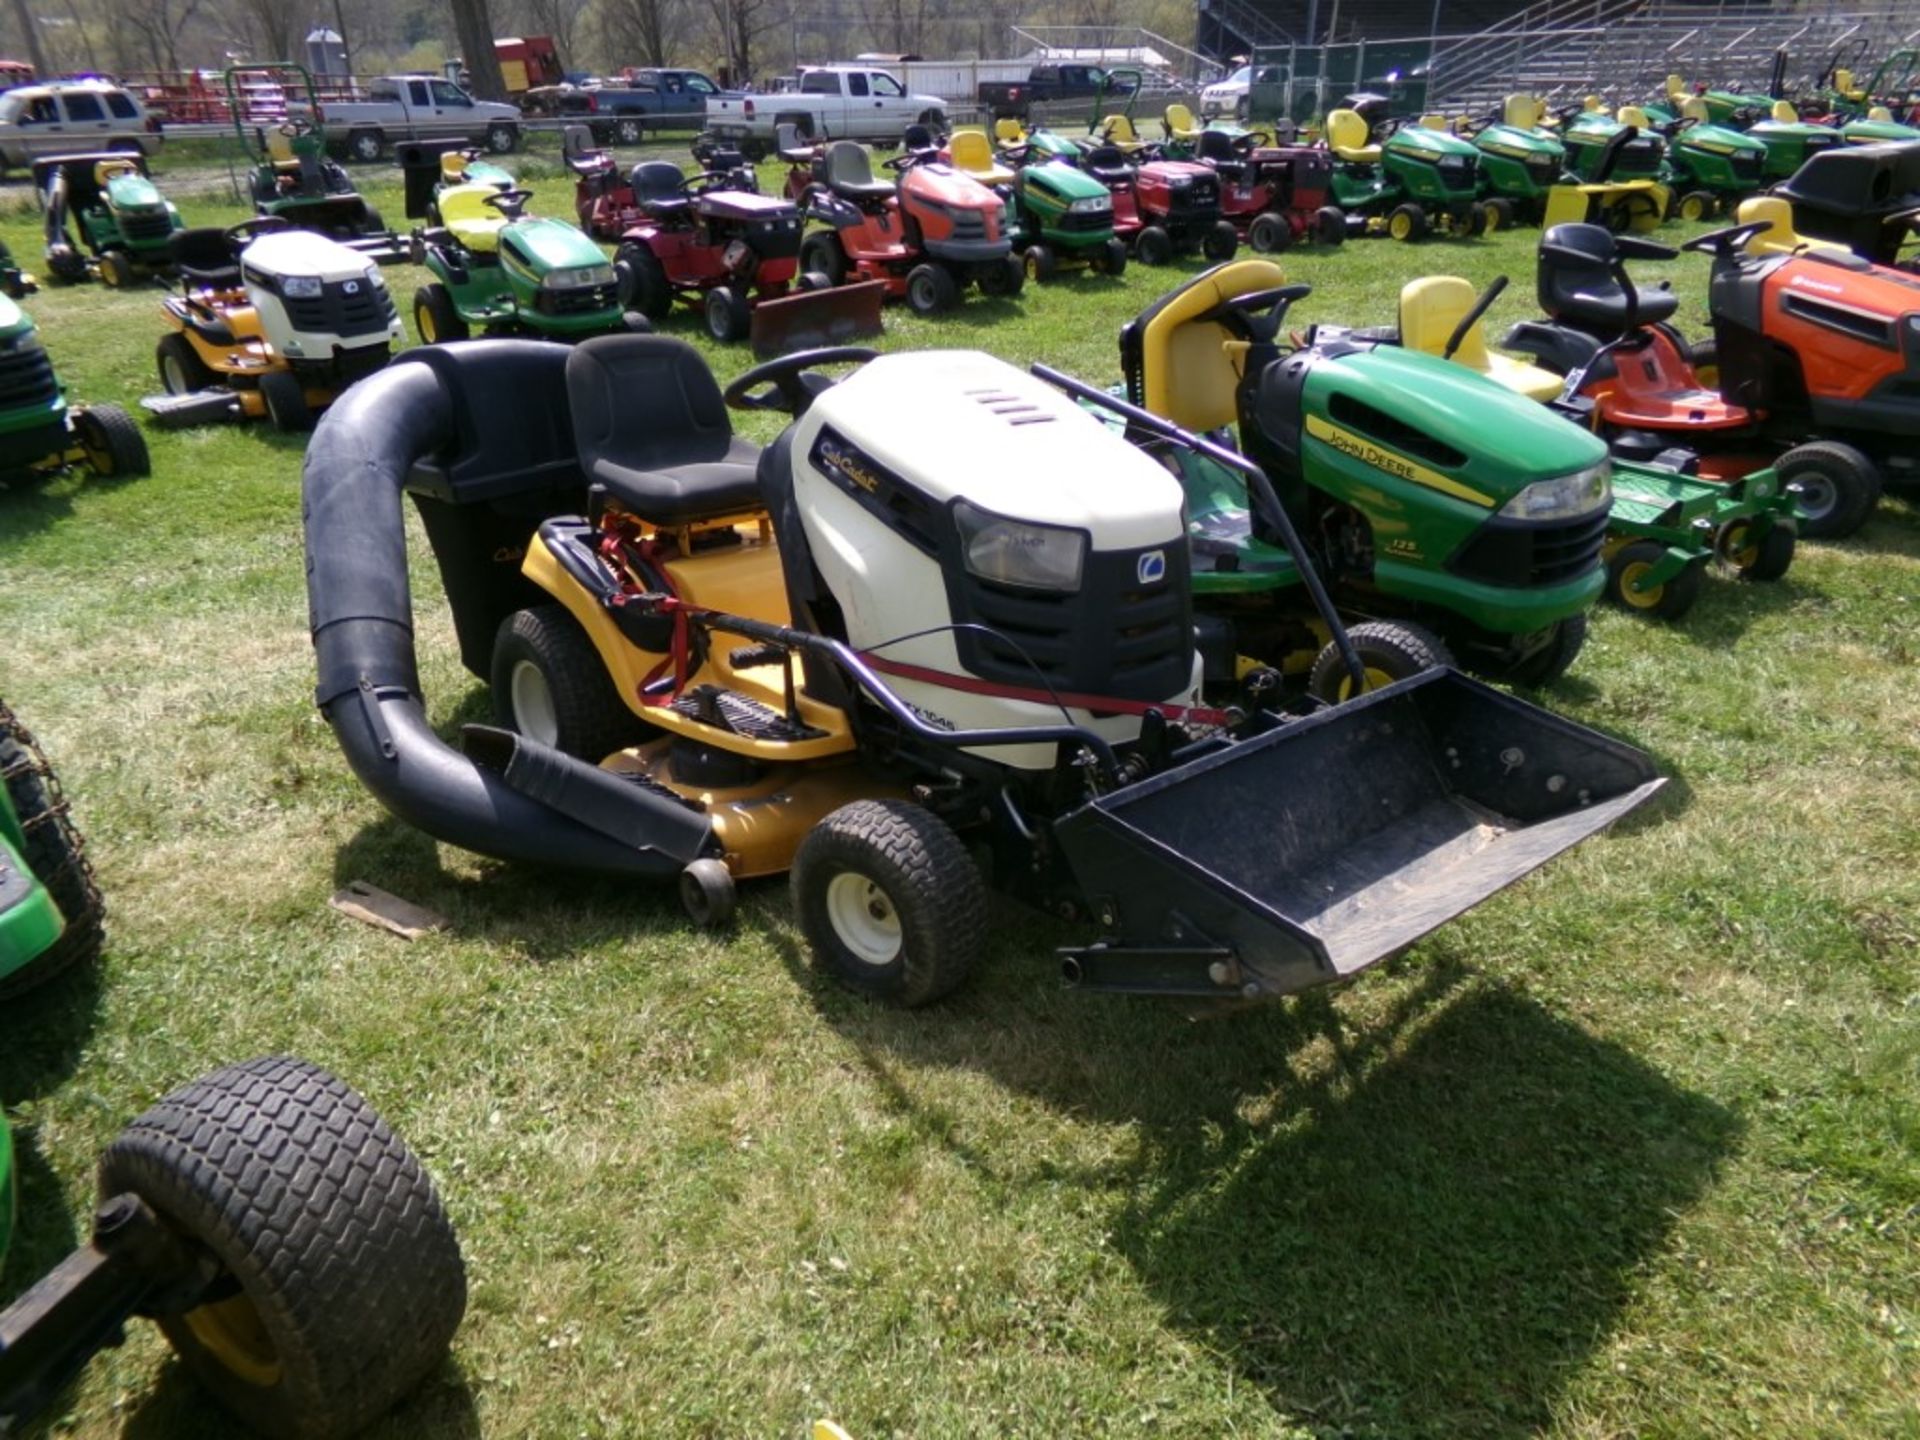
{"x": 1697, "y": 205}
{"x": 1668, "y": 601}
{"x": 890, "y": 902}
{"x": 1555, "y": 658}
{"x": 114, "y": 444}
{"x": 1407, "y": 222}
{"x": 729, "y": 316}
{"x": 1004, "y": 278}
{"x": 1330, "y": 225}
{"x": 56, "y": 855}
{"x": 634, "y": 323}
{"x": 1041, "y": 264}
{"x": 1269, "y": 234}
{"x": 1153, "y": 246}
{"x": 707, "y": 893}
{"x": 930, "y": 289}
{"x": 182, "y": 371}
{"x": 823, "y": 253}
{"x": 286, "y": 401}
{"x": 550, "y": 684}
{"x": 1768, "y": 558}
{"x": 1389, "y": 650}
{"x": 116, "y": 270}
{"x": 435, "y": 317}
{"x": 341, "y": 1282}
{"x": 1499, "y": 212}
{"x": 1221, "y": 243}
{"x": 1838, "y": 487}
{"x": 642, "y": 281}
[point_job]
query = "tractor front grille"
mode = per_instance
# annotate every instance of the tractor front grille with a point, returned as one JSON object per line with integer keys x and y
{"x": 147, "y": 228}
{"x": 344, "y": 307}
{"x": 27, "y": 379}
{"x": 1748, "y": 166}
{"x": 1543, "y": 169}
{"x": 969, "y": 225}
{"x": 1085, "y": 222}
{"x": 773, "y": 239}
{"x": 581, "y": 300}
{"x": 1199, "y": 200}
{"x": 1522, "y": 553}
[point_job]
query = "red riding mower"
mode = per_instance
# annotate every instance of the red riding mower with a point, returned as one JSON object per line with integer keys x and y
{"x": 735, "y": 254}
{"x": 1819, "y": 352}
{"x": 1272, "y": 194}
{"x": 1163, "y": 208}
{"x": 925, "y": 238}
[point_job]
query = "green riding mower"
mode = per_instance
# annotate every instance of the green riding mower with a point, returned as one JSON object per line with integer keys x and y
{"x": 40, "y": 433}
{"x": 1791, "y": 141}
{"x": 499, "y": 270}
{"x": 1614, "y": 174}
{"x": 1065, "y": 218}
{"x": 1711, "y": 168}
{"x": 287, "y": 1243}
{"x": 1398, "y": 178}
{"x": 50, "y": 908}
{"x": 1520, "y": 162}
{"x": 1431, "y": 497}
{"x": 126, "y": 226}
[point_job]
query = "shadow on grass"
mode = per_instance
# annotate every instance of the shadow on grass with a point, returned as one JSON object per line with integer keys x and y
{"x": 1421, "y": 1224}
{"x": 177, "y": 1406}
{"x": 43, "y": 1231}
{"x": 27, "y": 508}
{"x": 44, "y": 1032}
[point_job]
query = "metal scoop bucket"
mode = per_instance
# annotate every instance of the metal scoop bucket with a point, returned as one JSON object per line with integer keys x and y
{"x": 1334, "y": 842}
{"x": 816, "y": 319}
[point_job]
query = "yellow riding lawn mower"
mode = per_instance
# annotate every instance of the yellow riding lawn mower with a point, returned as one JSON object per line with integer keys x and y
{"x": 938, "y": 636}
{"x": 269, "y": 321}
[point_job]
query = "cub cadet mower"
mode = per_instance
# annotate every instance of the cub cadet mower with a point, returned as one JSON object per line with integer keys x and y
{"x": 294, "y": 180}
{"x": 125, "y": 224}
{"x": 1401, "y": 179}
{"x": 1863, "y": 198}
{"x": 945, "y": 609}
{"x": 1799, "y": 369}
{"x": 1613, "y": 175}
{"x": 502, "y": 271}
{"x": 1666, "y": 528}
{"x": 269, "y": 321}
{"x": 1520, "y": 162}
{"x": 41, "y": 435}
{"x": 1272, "y": 194}
{"x": 50, "y": 908}
{"x": 1429, "y": 493}
{"x": 287, "y": 1243}
{"x": 1710, "y": 167}
{"x": 926, "y": 238}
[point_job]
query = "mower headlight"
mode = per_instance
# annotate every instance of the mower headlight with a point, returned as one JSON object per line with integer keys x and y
{"x": 23, "y": 343}
{"x": 1091, "y": 204}
{"x": 1013, "y": 552}
{"x": 1180, "y": 182}
{"x": 578, "y": 277}
{"x": 1564, "y": 496}
{"x": 301, "y": 287}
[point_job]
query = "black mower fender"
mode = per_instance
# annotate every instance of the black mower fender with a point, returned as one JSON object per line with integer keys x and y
{"x": 831, "y": 209}
{"x": 1554, "y": 347}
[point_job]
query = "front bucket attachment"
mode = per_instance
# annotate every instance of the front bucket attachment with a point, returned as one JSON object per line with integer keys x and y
{"x": 814, "y": 319}
{"x": 1308, "y": 854}
{"x": 1627, "y": 205}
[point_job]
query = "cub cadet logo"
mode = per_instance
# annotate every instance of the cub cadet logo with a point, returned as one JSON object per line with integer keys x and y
{"x": 848, "y": 466}
{"x": 1152, "y": 567}
{"x": 1368, "y": 453}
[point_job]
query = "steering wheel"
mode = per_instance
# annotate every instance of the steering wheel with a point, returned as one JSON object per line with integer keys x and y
{"x": 1723, "y": 243}
{"x": 259, "y": 225}
{"x": 905, "y": 160}
{"x": 508, "y": 201}
{"x": 1248, "y": 310}
{"x": 780, "y": 385}
{"x": 1245, "y": 145}
{"x": 295, "y": 127}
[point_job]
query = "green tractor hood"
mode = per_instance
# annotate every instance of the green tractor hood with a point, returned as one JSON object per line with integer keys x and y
{"x": 546, "y": 244}
{"x": 1419, "y": 143}
{"x": 1059, "y": 184}
{"x": 1510, "y": 142}
{"x": 133, "y": 193}
{"x": 1719, "y": 140}
{"x": 1052, "y": 145}
{"x": 1878, "y": 132}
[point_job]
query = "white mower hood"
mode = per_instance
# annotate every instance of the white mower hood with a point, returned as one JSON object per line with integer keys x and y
{"x": 301, "y": 252}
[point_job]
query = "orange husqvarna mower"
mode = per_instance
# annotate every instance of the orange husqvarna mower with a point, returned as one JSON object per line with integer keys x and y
{"x": 1815, "y": 354}
{"x": 927, "y": 236}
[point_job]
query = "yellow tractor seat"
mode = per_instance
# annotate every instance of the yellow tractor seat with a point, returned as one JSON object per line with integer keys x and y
{"x": 1695, "y": 109}
{"x": 1593, "y": 103}
{"x": 1784, "y": 113}
{"x": 1676, "y": 87}
{"x": 1524, "y": 111}
{"x": 1434, "y": 122}
{"x": 1880, "y": 113}
{"x": 1429, "y": 311}
{"x": 973, "y": 154}
{"x": 453, "y": 166}
{"x": 1347, "y": 137}
{"x": 1008, "y": 132}
{"x": 1190, "y": 369}
{"x": 1118, "y": 130}
{"x": 106, "y": 170}
{"x": 1843, "y": 83}
{"x": 1179, "y": 123}
{"x": 1779, "y": 238}
{"x": 1633, "y": 115}
{"x": 470, "y": 219}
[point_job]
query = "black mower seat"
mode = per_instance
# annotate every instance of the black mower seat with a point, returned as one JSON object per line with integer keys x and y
{"x": 204, "y": 256}
{"x": 660, "y": 189}
{"x": 1215, "y": 148}
{"x": 1109, "y": 164}
{"x": 1584, "y": 291}
{"x": 651, "y": 426}
{"x": 849, "y": 172}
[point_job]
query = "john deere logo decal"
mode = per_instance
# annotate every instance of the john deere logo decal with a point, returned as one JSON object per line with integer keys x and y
{"x": 1152, "y": 567}
{"x": 1380, "y": 458}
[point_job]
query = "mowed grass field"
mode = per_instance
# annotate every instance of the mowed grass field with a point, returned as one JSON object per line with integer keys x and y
{"x": 1632, "y": 1150}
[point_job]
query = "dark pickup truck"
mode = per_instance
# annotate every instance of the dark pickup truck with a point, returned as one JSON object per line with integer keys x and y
{"x": 1045, "y": 83}
{"x": 621, "y": 112}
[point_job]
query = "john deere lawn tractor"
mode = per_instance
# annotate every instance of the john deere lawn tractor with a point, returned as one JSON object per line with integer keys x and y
{"x": 1711, "y": 168}
{"x": 1791, "y": 141}
{"x": 1065, "y": 217}
{"x": 1401, "y": 179}
{"x": 1614, "y": 174}
{"x": 126, "y": 226}
{"x": 287, "y": 1243}
{"x": 40, "y": 433}
{"x": 1520, "y": 162}
{"x": 50, "y": 908}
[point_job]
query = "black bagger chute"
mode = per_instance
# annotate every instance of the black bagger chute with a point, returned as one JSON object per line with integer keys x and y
{"x": 1334, "y": 842}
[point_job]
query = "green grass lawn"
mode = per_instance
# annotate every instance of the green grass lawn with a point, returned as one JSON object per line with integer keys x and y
{"x": 1632, "y": 1150}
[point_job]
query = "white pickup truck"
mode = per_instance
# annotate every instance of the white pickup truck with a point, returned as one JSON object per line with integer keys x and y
{"x": 411, "y": 107}
{"x": 833, "y": 102}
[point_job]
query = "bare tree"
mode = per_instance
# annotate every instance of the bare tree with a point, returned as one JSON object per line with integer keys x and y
{"x": 559, "y": 18}
{"x": 153, "y": 28}
{"x": 645, "y": 30}
{"x": 740, "y": 24}
{"x": 271, "y": 24}
{"x": 473, "y": 26}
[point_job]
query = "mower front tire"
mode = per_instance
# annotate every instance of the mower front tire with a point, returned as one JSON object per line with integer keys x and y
{"x": 550, "y": 684}
{"x": 1697, "y": 205}
{"x": 1042, "y": 266}
{"x": 54, "y": 853}
{"x": 643, "y": 281}
{"x": 116, "y": 270}
{"x": 182, "y": 371}
{"x": 1389, "y": 650}
{"x": 890, "y": 902}
{"x": 729, "y": 316}
{"x": 1499, "y": 213}
{"x": 1553, "y": 659}
{"x": 1407, "y": 222}
{"x": 707, "y": 892}
{"x": 435, "y": 317}
{"x": 1153, "y": 246}
{"x": 1768, "y": 558}
{"x": 1330, "y": 225}
{"x": 1269, "y": 234}
{"x": 286, "y": 401}
{"x": 1835, "y": 487}
{"x": 1221, "y": 242}
{"x": 823, "y": 254}
{"x": 931, "y": 289}
{"x": 114, "y": 444}
{"x": 340, "y": 1278}
{"x": 1004, "y": 278}
{"x": 1668, "y": 601}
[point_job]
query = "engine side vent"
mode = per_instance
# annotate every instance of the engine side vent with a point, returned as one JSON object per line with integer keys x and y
{"x": 1014, "y": 409}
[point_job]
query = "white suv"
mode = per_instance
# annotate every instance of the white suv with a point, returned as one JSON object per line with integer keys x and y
{"x": 72, "y": 116}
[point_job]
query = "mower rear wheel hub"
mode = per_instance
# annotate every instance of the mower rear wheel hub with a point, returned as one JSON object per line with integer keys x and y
{"x": 533, "y": 708}
{"x": 862, "y": 915}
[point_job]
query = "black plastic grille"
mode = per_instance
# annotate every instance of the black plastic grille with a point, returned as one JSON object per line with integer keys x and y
{"x": 775, "y": 239}
{"x": 1543, "y": 169}
{"x": 969, "y": 225}
{"x": 1747, "y": 166}
{"x": 1525, "y": 553}
{"x": 156, "y": 225}
{"x": 27, "y": 378}
{"x": 367, "y": 310}
{"x": 583, "y": 300}
{"x": 1086, "y": 222}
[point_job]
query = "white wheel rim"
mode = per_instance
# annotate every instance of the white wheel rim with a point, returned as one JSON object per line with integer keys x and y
{"x": 175, "y": 376}
{"x": 533, "y": 710}
{"x": 863, "y": 919}
{"x": 1817, "y": 495}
